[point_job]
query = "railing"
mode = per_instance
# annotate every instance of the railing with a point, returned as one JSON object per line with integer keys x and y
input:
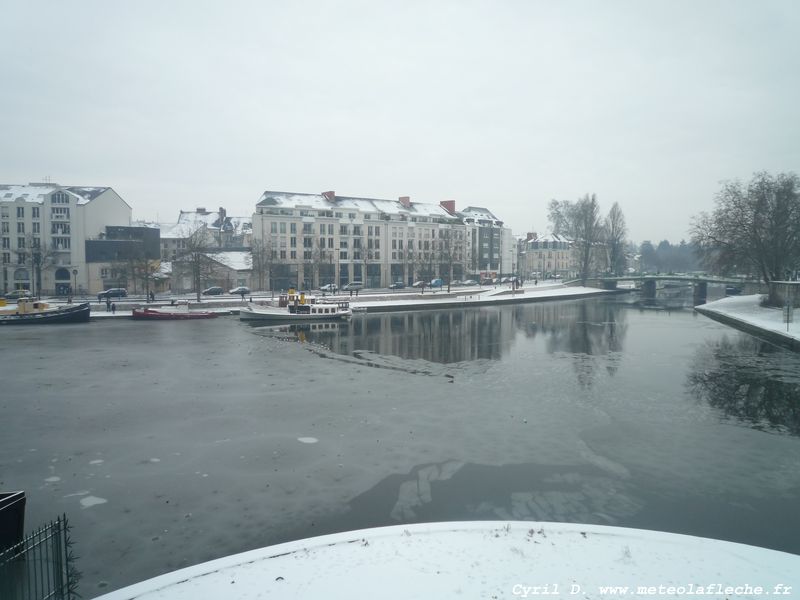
{"x": 41, "y": 566}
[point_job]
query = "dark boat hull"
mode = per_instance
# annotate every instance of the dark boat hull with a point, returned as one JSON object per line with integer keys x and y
{"x": 72, "y": 314}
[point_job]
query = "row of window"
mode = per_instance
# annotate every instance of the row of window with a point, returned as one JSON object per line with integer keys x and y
{"x": 59, "y": 243}
{"x": 287, "y": 212}
{"x": 21, "y": 212}
{"x": 57, "y": 212}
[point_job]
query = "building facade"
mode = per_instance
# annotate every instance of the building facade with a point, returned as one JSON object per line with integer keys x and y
{"x": 43, "y": 229}
{"x": 307, "y": 240}
{"x": 548, "y": 256}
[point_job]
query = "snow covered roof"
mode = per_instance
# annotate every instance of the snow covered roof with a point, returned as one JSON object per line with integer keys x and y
{"x": 551, "y": 237}
{"x": 237, "y": 260}
{"x": 478, "y": 212}
{"x": 342, "y": 203}
{"x": 189, "y": 221}
{"x": 36, "y": 192}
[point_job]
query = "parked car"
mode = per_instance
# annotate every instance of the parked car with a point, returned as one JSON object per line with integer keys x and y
{"x": 112, "y": 293}
{"x": 419, "y": 284}
{"x": 438, "y": 282}
{"x": 329, "y": 287}
{"x": 397, "y": 285}
{"x": 469, "y": 282}
{"x": 353, "y": 286}
{"x": 239, "y": 291}
{"x": 456, "y": 283}
{"x": 213, "y": 291}
{"x": 17, "y": 294}
{"x": 487, "y": 281}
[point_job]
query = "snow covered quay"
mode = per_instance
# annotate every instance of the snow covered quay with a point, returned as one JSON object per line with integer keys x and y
{"x": 746, "y": 314}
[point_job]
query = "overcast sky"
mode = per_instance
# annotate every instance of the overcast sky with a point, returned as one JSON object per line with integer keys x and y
{"x": 498, "y": 104}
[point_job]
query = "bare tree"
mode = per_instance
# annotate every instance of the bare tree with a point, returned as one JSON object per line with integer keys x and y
{"x": 264, "y": 255}
{"x": 615, "y": 232}
{"x": 753, "y": 228}
{"x": 39, "y": 257}
{"x": 193, "y": 260}
{"x": 579, "y": 221}
{"x": 451, "y": 251}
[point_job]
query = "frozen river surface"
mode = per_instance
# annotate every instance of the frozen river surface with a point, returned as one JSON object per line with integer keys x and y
{"x": 172, "y": 443}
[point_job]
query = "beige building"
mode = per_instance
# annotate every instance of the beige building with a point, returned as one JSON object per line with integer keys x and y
{"x": 43, "y": 229}
{"x": 308, "y": 240}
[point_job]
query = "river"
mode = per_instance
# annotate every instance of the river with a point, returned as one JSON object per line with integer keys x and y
{"x": 171, "y": 443}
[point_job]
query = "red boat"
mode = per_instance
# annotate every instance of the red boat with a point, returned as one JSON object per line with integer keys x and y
{"x": 157, "y": 314}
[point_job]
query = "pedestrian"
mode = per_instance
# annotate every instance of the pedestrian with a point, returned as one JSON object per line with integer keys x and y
{"x": 152, "y": 296}
{"x": 536, "y": 281}
{"x": 242, "y": 295}
{"x": 113, "y": 308}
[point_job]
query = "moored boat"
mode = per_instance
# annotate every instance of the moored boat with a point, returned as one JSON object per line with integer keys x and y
{"x": 171, "y": 315}
{"x": 320, "y": 311}
{"x": 30, "y": 311}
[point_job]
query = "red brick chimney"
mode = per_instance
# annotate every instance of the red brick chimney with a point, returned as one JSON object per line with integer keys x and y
{"x": 329, "y": 196}
{"x": 449, "y": 206}
{"x": 405, "y": 201}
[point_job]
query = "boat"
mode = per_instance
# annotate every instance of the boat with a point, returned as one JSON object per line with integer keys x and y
{"x": 156, "y": 314}
{"x": 29, "y": 311}
{"x": 319, "y": 311}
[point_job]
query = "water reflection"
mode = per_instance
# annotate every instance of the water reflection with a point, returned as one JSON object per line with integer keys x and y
{"x": 593, "y": 332}
{"x": 750, "y": 380}
{"x": 586, "y": 329}
{"x": 527, "y": 492}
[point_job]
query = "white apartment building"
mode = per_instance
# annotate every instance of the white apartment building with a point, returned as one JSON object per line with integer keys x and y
{"x": 43, "y": 229}
{"x": 313, "y": 239}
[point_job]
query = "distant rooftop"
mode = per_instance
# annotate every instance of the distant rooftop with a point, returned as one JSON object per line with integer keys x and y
{"x": 36, "y": 192}
{"x": 330, "y": 201}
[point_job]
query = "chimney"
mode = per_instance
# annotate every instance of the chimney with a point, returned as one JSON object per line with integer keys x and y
{"x": 222, "y": 214}
{"x": 531, "y": 235}
{"x": 201, "y": 210}
{"x": 405, "y": 201}
{"x": 449, "y": 206}
{"x": 329, "y": 196}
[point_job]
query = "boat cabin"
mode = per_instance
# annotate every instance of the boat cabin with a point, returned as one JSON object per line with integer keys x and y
{"x": 27, "y": 306}
{"x": 332, "y": 308}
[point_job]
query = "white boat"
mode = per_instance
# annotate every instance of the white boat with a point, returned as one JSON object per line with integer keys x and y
{"x": 320, "y": 311}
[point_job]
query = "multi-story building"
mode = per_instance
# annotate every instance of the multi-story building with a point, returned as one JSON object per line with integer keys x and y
{"x": 307, "y": 240}
{"x": 547, "y": 256}
{"x": 43, "y": 227}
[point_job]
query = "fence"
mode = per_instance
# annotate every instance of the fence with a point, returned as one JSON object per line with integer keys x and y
{"x": 41, "y": 566}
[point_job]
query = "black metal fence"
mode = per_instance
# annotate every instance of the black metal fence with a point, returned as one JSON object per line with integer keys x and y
{"x": 41, "y": 566}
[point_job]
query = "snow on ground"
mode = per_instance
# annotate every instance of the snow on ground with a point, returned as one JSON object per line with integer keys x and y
{"x": 749, "y": 310}
{"x": 484, "y": 560}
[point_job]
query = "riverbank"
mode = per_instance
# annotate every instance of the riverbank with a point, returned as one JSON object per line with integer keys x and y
{"x": 402, "y": 301}
{"x": 746, "y": 314}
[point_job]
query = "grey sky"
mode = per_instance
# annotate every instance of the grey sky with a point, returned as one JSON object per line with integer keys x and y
{"x": 501, "y": 104}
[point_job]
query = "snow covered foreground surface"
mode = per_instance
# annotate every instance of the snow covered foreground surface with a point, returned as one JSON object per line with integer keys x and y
{"x": 485, "y": 559}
